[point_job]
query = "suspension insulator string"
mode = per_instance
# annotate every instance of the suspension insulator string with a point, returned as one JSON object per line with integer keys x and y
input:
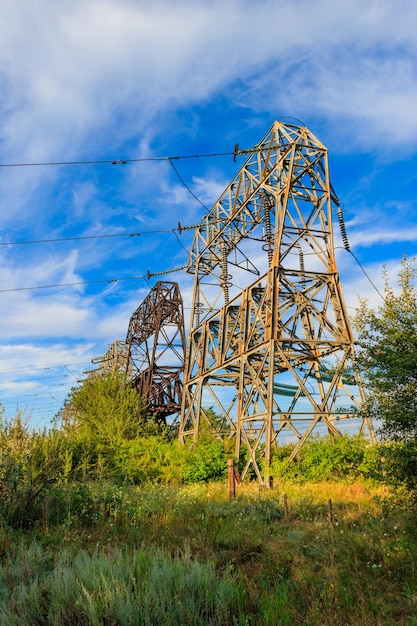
{"x": 225, "y": 277}
{"x": 302, "y": 266}
{"x": 343, "y": 229}
{"x": 269, "y": 243}
{"x": 181, "y": 228}
{"x": 174, "y": 269}
{"x": 198, "y": 309}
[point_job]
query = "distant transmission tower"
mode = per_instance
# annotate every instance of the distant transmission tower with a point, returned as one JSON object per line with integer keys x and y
{"x": 114, "y": 360}
{"x": 156, "y": 347}
{"x": 270, "y": 346}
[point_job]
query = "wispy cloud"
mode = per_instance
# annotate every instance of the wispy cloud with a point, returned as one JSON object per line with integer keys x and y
{"x": 88, "y": 80}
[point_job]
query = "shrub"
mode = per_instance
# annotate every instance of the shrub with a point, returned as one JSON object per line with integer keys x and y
{"x": 204, "y": 460}
{"x": 329, "y": 458}
{"x": 400, "y": 463}
{"x": 29, "y": 463}
{"x": 149, "y": 459}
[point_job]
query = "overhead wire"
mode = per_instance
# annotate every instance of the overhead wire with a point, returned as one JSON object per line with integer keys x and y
{"x": 366, "y": 274}
{"x": 29, "y": 380}
{"x": 180, "y": 229}
{"x": 36, "y": 369}
{"x": 180, "y": 242}
{"x": 81, "y": 237}
{"x": 90, "y": 237}
{"x": 182, "y": 181}
{"x": 81, "y": 282}
{"x": 120, "y": 161}
{"x": 103, "y": 280}
{"x": 21, "y": 243}
{"x": 30, "y": 395}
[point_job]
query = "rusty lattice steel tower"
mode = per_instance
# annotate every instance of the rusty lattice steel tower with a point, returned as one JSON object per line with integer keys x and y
{"x": 156, "y": 347}
{"x": 270, "y": 339}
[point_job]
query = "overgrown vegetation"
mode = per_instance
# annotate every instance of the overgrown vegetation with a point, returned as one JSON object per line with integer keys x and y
{"x": 108, "y": 554}
{"x": 143, "y": 535}
{"x": 107, "y": 520}
{"x": 387, "y": 355}
{"x": 344, "y": 458}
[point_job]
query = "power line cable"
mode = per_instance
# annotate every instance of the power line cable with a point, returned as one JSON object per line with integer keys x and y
{"x": 49, "y": 367}
{"x": 182, "y": 181}
{"x": 120, "y": 161}
{"x": 362, "y": 268}
{"x": 82, "y": 282}
{"x": 30, "y": 379}
{"x": 78, "y": 238}
{"x": 21, "y": 243}
{"x": 91, "y": 282}
{"x": 180, "y": 242}
{"x": 32, "y": 395}
{"x": 366, "y": 274}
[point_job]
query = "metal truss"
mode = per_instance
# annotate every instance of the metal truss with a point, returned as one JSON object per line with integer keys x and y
{"x": 156, "y": 347}
{"x": 115, "y": 359}
{"x": 270, "y": 341}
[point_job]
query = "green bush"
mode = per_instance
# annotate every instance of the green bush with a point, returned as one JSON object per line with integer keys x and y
{"x": 333, "y": 458}
{"x": 400, "y": 463}
{"x": 149, "y": 459}
{"x": 29, "y": 463}
{"x": 329, "y": 459}
{"x": 204, "y": 460}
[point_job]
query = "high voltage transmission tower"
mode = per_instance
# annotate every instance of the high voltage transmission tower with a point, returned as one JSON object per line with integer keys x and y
{"x": 152, "y": 356}
{"x": 115, "y": 359}
{"x": 270, "y": 342}
{"x": 156, "y": 347}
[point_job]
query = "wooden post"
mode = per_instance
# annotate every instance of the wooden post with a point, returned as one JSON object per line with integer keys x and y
{"x": 384, "y": 474}
{"x": 231, "y": 479}
{"x": 330, "y": 511}
{"x": 285, "y": 506}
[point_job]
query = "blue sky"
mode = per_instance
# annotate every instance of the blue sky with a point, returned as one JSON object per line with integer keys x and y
{"x": 86, "y": 80}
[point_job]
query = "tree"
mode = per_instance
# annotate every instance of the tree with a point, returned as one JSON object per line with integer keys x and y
{"x": 106, "y": 413}
{"x": 387, "y": 356}
{"x": 108, "y": 410}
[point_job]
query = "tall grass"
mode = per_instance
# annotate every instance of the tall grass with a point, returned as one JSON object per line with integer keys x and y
{"x": 117, "y": 586}
{"x": 188, "y": 555}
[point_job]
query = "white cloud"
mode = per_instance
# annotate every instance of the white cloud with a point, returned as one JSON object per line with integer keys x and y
{"x": 86, "y": 63}
{"x": 94, "y": 79}
{"x": 369, "y": 238}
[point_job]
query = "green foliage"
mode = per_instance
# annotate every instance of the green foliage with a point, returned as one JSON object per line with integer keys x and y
{"x": 400, "y": 463}
{"x": 387, "y": 358}
{"x": 333, "y": 458}
{"x": 107, "y": 411}
{"x": 107, "y": 415}
{"x": 29, "y": 463}
{"x": 157, "y": 459}
{"x": 204, "y": 460}
{"x": 150, "y": 459}
{"x": 329, "y": 458}
{"x": 388, "y": 355}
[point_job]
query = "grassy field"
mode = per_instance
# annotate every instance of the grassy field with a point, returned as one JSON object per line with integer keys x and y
{"x": 109, "y": 555}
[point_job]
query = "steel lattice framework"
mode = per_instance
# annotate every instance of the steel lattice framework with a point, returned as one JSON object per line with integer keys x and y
{"x": 270, "y": 340}
{"x": 115, "y": 359}
{"x": 156, "y": 347}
